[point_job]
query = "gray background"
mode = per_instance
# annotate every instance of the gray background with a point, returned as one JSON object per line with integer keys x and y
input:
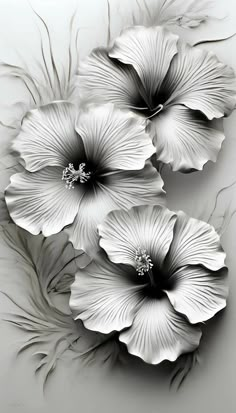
{"x": 211, "y": 385}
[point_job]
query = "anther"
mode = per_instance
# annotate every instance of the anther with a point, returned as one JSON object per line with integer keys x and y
{"x": 71, "y": 175}
{"x": 144, "y": 262}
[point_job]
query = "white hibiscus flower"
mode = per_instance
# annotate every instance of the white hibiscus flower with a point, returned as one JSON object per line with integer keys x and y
{"x": 177, "y": 88}
{"x": 79, "y": 167}
{"x": 164, "y": 274}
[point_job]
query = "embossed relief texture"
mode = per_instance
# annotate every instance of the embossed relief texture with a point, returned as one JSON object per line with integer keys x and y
{"x": 117, "y": 205}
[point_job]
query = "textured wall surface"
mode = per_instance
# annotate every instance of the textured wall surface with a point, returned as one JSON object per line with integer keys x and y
{"x": 137, "y": 387}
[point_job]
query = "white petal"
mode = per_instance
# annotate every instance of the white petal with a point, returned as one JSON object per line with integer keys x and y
{"x": 194, "y": 243}
{"x": 102, "y": 80}
{"x": 197, "y": 79}
{"x": 104, "y": 297}
{"x": 150, "y": 51}
{"x": 40, "y": 201}
{"x": 92, "y": 210}
{"x": 115, "y": 138}
{"x": 147, "y": 227}
{"x": 184, "y": 139}
{"x": 48, "y": 137}
{"x": 121, "y": 190}
{"x": 198, "y": 293}
{"x": 130, "y": 188}
{"x": 158, "y": 333}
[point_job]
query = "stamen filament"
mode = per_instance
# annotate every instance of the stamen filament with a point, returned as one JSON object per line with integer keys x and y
{"x": 158, "y": 109}
{"x": 138, "y": 108}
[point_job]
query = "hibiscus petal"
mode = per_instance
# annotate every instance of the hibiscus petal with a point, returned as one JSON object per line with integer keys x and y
{"x": 122, "y": 190}
{"x": 147, "y": 227}
{"x": 184, "y": 139}
{"x": 158, "y": 333}
{"x": 48, "y": 137}
{"x": 40, "y": 201}
{"x": 104, "y": 297}
{"x": 194, "y": 243}
{"x": 102, "y": 80}
{"x": 114, "y": 137}
{"x": 130, "y": 188}
{"x": 198, "y": 293}
{"x": 149, "y": 50}
{"x": 197, "y": 79}
{"x": 92, "y": 210}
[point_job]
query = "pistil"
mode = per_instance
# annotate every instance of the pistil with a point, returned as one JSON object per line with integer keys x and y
{"x": 157, "y": 110}
{"x": 154, "y": 111}
{"x": 144, "y": 264}
{"x": 71, "y": 175}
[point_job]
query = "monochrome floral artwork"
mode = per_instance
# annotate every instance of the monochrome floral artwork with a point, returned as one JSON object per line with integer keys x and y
{"x": 115, "y": 216}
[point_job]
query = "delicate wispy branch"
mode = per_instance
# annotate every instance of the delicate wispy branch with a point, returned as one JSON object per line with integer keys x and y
{"x": 221, "y": 215}
{"x": 188, "y": 14}
{"x": 38, "y": 269}
{"x": 183, "y": 367}
{"x": 214, "y": 40}
{"x": 50, "y": 83}
{"x": 7, "y": 126}
{"x": 108, "y": 22}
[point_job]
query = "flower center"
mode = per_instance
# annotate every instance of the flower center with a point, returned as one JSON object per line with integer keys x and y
{"x": 143, "y": 262}
{"x": 147, "y": 110}
{"x": 156, "y": 110}
{"x": 71, "y": 175}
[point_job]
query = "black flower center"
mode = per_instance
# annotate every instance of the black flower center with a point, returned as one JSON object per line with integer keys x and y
{"x": 84, "y": 172}
{"x": 150, "y": 107}
{"x": 72, "y": 175}
{"x": 155, "y": 279}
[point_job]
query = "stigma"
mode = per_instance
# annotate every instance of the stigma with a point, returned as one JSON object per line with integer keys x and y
{"x": 71, "y": 175}
{"x": 143, "y": 262}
